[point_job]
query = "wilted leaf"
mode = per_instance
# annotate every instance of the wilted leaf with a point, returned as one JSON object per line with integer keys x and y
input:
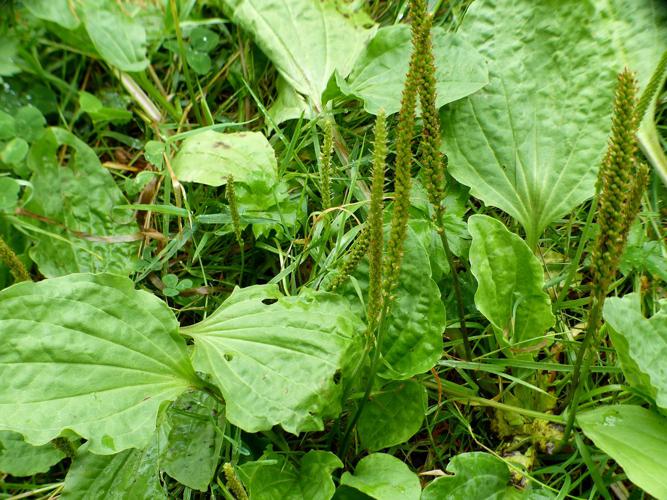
{"x": 90, "y": 354}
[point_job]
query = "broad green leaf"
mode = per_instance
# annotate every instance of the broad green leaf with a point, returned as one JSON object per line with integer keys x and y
{"x": 307, "y": 40}
{"x": 638, "y": 29}
{"x": 635, "y": 438}
{"x": 7, "y": 126}
{"x": 379, "y": 74}
{"x": 641, "y": 344}
{"x": 276, "y": 477}
{"x": 84, "y": 232}
{"x": 210, "y": 157}
{"x": 128, "y": 474}
{"x": 18, "y": 458}
{"x": 412, "y": 342}
{"x": 8, "y": 50}
{"x": 90, "y": 354}
{"x": 119, "y": 38}
{"x": 14, "y": 151}
{"x": 29, "y": 123}
{"x": 510, "y": 286}
{"x": 476, "y": 476}
{"x": 195, "y": 440}
{"x": 277, "y": 359}
{"x": 393, "y": 416}
{"x": 289, "y": 104}
{"x": 383, "y": 477}
{"x": 9, "y": 193}
{"x": 56, "y": 11}
{"x": 530, "y": 141}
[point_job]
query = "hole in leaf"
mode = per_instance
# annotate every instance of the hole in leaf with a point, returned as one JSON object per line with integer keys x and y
{"x": 268, "y": 302}
{"x": 228, "y": 356}
{"x": 337, "y": 376}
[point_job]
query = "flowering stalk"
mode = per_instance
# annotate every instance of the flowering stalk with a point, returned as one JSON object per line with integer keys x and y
{"x": 10, "y": 259}
{"x": 325, "y": 165}
{"x": 432, "y": 161}
{"x": 621, "y": 182}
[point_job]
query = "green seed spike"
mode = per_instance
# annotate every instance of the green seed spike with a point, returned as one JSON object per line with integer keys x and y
{"x": 621, "y": 183}
{"x": 325, "y": 167}
{"x": 233, "y": 482}
{"x": 375, "y": 222}
{"x": 403, "y": 170}
{"x": 433, "y": 167}
{"x": 617, "y": 185}
{"x": 234, "y": 210}
{"x": 16, "y": 267}
{"x": 354, "y": 256}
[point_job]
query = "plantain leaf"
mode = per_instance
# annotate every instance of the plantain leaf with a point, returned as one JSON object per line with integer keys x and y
{"x": 276, "y": 359}
{"x": 379, "y": 74}
{"x": 83, "y": 232}
{"x": 18, "y": 458}
{"x": 636, "y": 438}
{"x": 210, "y": 157}
{"x": 195, "y": 439}
{"x": 57, "y": 11}
{"x": 638, "y": 29}
{"x": 641, "y": 344}
{"x": 393, "y": 416}
{"x": 476, "y": 475}
{"x": 274, "y": 476}
{"x": 119, "y": 38}
{"x": 530, "y": 142}
{"x": 307, "y": 40}
{"x": 128, "y": 474}
{"x": 383, "y": 477}
{"x": 90, "y": 354}
{"x": 510, "y": 285}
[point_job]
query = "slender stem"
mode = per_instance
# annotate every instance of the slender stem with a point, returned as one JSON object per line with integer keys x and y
{"x": 11, "y": 260}
{"x": 582, "y": 364}
{"x": 457, "y": 284}
{"x": 375, "y": 362}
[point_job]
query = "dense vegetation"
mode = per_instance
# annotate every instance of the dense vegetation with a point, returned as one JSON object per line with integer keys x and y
{"x": 304, "y": 249}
